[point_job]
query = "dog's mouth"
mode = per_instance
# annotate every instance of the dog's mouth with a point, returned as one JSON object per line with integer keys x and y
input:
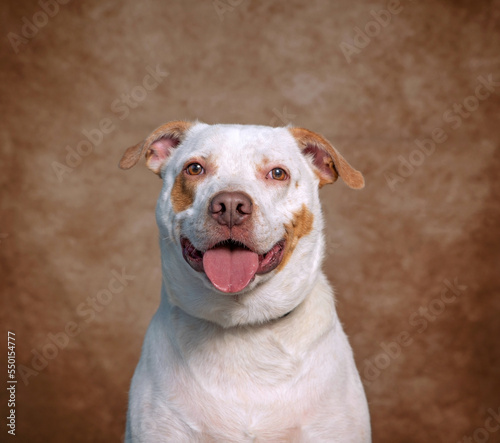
{"x": 230, "y": 265}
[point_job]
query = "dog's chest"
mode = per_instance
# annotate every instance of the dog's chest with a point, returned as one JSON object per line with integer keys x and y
{"x": 241, "y": 388}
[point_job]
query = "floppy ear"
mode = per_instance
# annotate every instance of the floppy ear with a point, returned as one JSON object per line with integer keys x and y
{"x": 327, "y": 161}
{"x": 157, "y": 147}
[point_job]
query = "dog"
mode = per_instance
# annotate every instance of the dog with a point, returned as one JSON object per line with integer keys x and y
{"x": 246, "y": 345}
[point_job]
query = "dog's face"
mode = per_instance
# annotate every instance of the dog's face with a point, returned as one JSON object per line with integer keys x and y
{"x": 239, "y": 215}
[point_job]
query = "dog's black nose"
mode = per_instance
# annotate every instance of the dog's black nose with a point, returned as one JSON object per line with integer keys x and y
{"x": 230, "y": 208}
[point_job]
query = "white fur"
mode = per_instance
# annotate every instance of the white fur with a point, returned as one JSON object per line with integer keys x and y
{"x": 217, "y": 367}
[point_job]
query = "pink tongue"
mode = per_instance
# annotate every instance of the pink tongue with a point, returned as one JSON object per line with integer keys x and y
{"x": 230, "y": 270}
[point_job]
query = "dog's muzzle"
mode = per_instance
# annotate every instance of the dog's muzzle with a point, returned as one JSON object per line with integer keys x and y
{"x": 230, "y": 264}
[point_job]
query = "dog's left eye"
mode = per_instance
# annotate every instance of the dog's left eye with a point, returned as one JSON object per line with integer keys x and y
{"x": 277, "y": 174}
{"x": 194, "y": 169}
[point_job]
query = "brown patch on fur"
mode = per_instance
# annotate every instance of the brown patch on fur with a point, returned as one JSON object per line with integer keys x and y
{"x": 300, "y": 226}
{"x": 262, "y": 167}
{"x": 322, "y": 182}
{"x": 182, "y": 194}
{"x": 335, "y": 164}
{"x": 184, "y": 188}
{"x": 175, "y": 130}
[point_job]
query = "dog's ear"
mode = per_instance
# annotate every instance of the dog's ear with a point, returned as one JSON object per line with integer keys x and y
{"x": 327, "y": 161}
{"x": 157, "y": 147}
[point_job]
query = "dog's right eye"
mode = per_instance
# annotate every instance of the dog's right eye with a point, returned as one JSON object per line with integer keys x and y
{"x": 194, "y": 169}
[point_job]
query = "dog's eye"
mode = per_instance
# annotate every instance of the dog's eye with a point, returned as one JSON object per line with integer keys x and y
{"x": 278, "y": 174}
{"x": 194, "y": 169}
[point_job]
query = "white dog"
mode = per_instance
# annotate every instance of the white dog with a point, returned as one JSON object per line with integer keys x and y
{"x": 246, "y": 345}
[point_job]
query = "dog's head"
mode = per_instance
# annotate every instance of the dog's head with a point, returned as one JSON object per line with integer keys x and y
{"x": 239, "y": 215}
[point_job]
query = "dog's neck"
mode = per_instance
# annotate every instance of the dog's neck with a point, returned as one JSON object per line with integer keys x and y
{"x": 177, "y": 314}
{"x": 290, "y": 335}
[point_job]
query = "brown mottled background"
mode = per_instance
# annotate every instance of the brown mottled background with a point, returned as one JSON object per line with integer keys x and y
{"x": 392, "y": 248}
